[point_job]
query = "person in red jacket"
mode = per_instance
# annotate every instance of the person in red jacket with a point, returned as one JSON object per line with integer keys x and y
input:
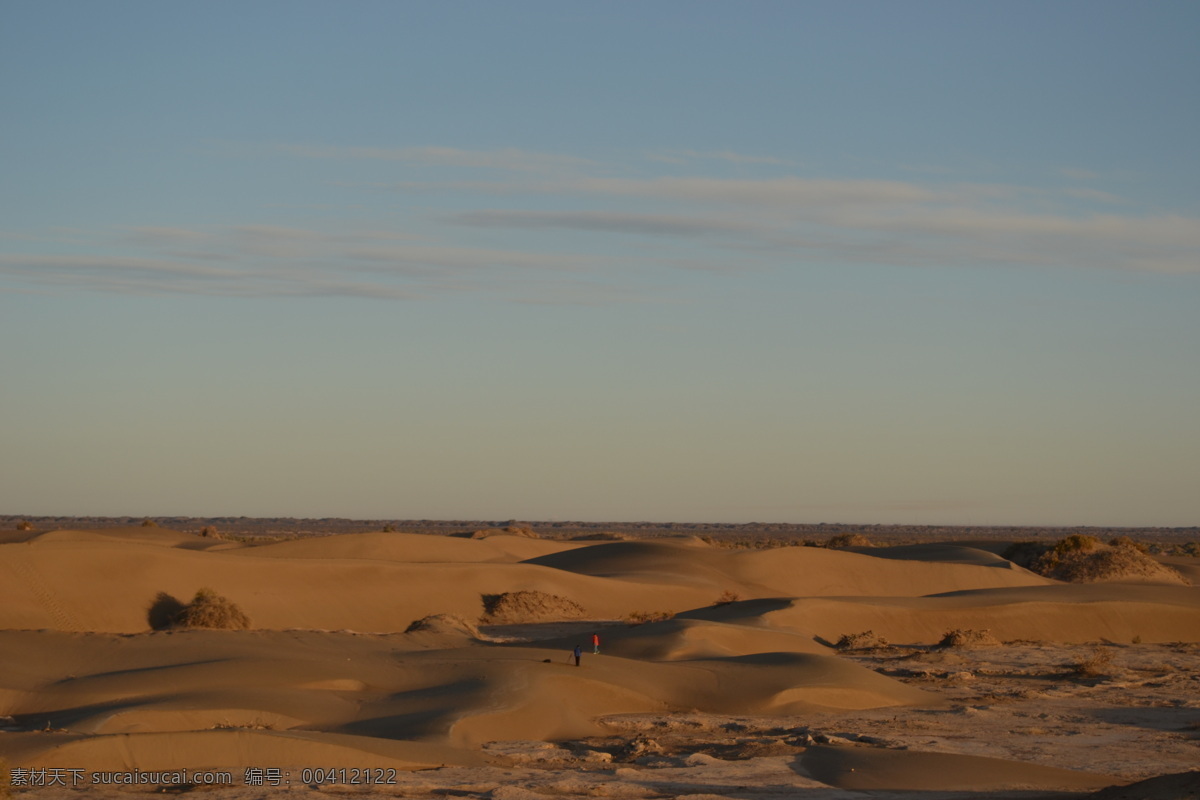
{"x": 595, "y": 644}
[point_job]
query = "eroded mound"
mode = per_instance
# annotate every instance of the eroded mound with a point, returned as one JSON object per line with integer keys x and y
{"x": 969, "y": 637}
{"x": 443, "y": 623}
{"x": 1085, "y": 559}
{"x": 528, "y": 606}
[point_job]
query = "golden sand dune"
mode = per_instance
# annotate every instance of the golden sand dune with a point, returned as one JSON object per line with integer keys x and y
{"x": 376, "y": 686}
{"x": 1057, "y": 613}
{"x": 789, "y": 571}
{"x": 88, "y": 684}
{"x": 683, "y": 639}
{"x": 412, "y": 548}
{"x": 111, "y": 586}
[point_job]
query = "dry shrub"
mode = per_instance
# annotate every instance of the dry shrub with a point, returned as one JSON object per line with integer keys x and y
{"x": 443, "y": 623}
{"x": 968, "y": 637}
{"x": 211, "y": 532}
{"x": 528, "y": 606}
{"x": 149, "y": 523}
{"x": 1105, "y": 564}
{"x": 1125, "y": 541}
{"x": 867, "y": 640}
{"x": 640, "y": 617}
{"x": 391, "y": 528}
{"x": 1025, "y": 553}
{"x": 1094, "y": 664}
{"x": 24, "y": 525}
{"x": 1085, "y": 559}
{"x": 210, "y": 610}
{"x": 726, "y": 598}
{"x": 848, "y": 540}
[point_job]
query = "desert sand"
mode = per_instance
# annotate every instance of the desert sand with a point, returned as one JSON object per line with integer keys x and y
{"x": 719, "y": 673}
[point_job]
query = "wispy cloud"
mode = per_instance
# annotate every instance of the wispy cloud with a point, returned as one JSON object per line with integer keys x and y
{"x": 604, "y": 222}
{"x": 684, "y": 156}
{"x": 510, "y": 159}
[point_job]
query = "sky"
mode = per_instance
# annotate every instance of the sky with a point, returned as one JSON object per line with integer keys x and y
{"x": 869, "y": 262}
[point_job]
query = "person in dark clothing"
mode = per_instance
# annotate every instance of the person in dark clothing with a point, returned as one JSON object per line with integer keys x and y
{"x": 578, "y": 654}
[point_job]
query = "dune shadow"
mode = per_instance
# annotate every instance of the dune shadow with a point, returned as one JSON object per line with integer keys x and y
{"x": 163, "y": 611}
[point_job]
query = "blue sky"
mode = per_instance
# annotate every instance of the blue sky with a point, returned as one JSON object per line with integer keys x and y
{"x": 860, "y": 262}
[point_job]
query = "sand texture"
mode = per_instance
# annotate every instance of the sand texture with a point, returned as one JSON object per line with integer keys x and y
{"x": 441, "y": 665}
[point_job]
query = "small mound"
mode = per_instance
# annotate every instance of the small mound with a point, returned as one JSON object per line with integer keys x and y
{"x": 867, "y": 640}
{"x": 210, "y": 610}
{"x": 603, "y": 536}
{"x": 1177, "y": 786}
{"x": 1085, "y": 559}
{"x": 511, "y": 530}
{"x": 528, "y": 606}
{"x": 848, "y": 540}
{"x": 1106, "y": 564}
{"x": 443, "y": 623}
{"x": 969, "y": 637}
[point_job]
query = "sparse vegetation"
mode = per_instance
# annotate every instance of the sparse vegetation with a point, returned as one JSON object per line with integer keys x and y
{"x": 528, "y": 606}
{"x": 843, "y": 540}
{"x": 24, "y": 525}
{"x": 1125, "y": 541}
{"x": 390, "y": 528}
{"x": 149, "y": 523}
{"x": 641, "y": 617}
{"x": 211, "y": 532}
{"x": 968, "y": 637}
{"x": 1094, "y": 664}
{"x": 866, "y": 640}
{"x": 210, "y": 610}
{"x": 726, "y": 598}
{"x": 1080, "y": 558}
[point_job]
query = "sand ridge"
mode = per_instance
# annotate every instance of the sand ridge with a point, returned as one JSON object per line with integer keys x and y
{"x": 327, "y": 673}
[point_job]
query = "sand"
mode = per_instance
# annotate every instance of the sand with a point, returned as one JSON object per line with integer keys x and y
{"x": 734, "y": 690}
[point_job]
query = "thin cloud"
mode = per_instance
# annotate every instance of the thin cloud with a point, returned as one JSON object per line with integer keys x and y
{"x": 510, "y": 159}
{"x": 603, "y": 222}
{"x": 683, "y": 156}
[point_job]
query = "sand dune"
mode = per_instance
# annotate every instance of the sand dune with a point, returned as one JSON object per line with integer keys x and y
{"x": 327, "y": 674}
{"x": 1058, "y": 613}
{"x": 374, "y": 686}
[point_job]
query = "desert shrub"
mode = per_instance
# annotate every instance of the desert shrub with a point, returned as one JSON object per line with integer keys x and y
{"x": 390, "y": 528}
{"x": 848, "y": 540}
{"x": 210, "y": 610}
{"x": 726, "y": 598}
{"x": 1085, "y": 559}
{"x": 640, "y": 617}
{"x": 1105, "y": 564}
{"x": 149, "y": 523}
{"x": 24, "y": 525}
{"x": 1094, "y": 663}
{"x": 968, "y": 637}
{"x": 1076, "y": 542}
{"x": 867, "y": 640}
{"x": 1125, "y": 541}
{"x": 1025, "y": 553}
{"x": 211, "y": 532}
{"x": 164, "y": 611}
